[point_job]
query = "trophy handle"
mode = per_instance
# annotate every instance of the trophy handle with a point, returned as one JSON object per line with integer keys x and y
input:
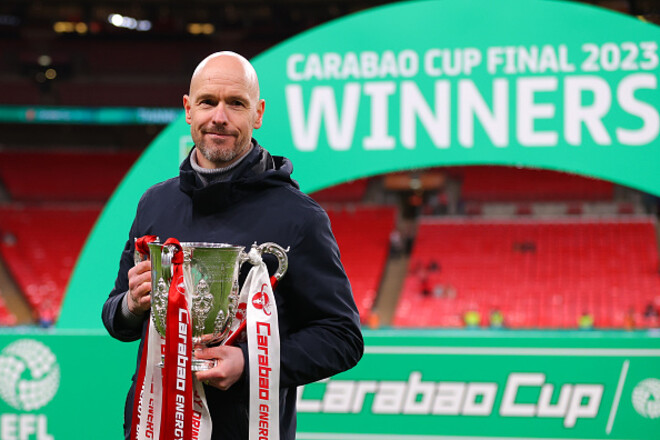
{"x": 166, "y": 256}
{"x": 283, "y": 260}
{"x": 142, "y": 251}
{"x": 280, "y": 253}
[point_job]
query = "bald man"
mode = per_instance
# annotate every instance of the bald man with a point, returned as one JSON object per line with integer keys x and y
{"x": 222, "y": 108}
{"x": 231, "y": 190}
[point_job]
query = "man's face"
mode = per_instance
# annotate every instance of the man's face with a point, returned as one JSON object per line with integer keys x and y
{"x": 223, "y": 108}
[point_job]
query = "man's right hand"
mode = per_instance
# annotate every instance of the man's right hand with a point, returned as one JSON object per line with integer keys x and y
{"x": 139, "y": 288}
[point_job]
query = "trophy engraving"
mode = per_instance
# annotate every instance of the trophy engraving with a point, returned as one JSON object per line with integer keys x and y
{"x": 202, "y": 301}
{"x": 219, "y": 324}
{"x": 159, "y": 305}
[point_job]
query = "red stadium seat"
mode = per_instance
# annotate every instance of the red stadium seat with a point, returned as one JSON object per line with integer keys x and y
{"x": 495, "y": 183}
{"x": 543, "y": 273}
{"x": 40, "y": 246}
{"x": 345, "y": 193}
{"x": 363, "y": 237}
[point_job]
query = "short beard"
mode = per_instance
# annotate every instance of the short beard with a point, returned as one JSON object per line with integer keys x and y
{"x": 220, "y": 156}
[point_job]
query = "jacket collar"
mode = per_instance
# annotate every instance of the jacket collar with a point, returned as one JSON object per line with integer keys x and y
{"x": 257, "y": 171}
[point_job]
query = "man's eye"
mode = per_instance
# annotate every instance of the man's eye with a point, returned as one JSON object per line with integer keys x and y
{"x": 238, "y": 103}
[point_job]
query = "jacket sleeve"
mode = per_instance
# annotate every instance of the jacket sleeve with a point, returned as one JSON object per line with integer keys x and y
{"x": 111, "y": 314}
{"x": 325, "y": 337}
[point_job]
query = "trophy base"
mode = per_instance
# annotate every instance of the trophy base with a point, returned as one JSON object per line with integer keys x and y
{"x": 196, "y": 364}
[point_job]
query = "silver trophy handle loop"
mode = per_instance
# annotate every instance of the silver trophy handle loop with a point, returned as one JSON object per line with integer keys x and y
{"x": 167, "y": 253}
{"x": 280, "y": 253}
{"x": 140, "y": 255}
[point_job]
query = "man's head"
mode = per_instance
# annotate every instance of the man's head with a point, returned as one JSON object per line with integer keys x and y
{"x": 222, "y": 108}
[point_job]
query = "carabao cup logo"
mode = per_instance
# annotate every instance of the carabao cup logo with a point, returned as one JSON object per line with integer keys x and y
{"x": 646, "y": 398}
{"x": 29, "y": 375}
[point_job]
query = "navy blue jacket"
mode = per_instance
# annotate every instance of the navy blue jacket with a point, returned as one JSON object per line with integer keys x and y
{"x": 319, "y": 323}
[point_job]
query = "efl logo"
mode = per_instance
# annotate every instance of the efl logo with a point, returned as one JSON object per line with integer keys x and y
{"x": 29, "y": 375}
{"x": 646, "y": 398}
{"x": 261, "y": 301}
{"x": 29, "y": 379}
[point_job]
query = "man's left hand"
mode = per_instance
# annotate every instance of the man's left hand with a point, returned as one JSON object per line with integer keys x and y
{"x": 228, "y": 369}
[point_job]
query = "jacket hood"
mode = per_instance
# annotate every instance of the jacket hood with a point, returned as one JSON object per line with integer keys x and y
{"x": 259, "y": 170}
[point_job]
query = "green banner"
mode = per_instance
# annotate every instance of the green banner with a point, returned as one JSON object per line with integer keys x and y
{"x": 410, "y": 385}
{"x": 491, "y": 385}
{"x": 545, "y": 84}
{"x": 88, "y": 115}
{"x": 63, "y": 385}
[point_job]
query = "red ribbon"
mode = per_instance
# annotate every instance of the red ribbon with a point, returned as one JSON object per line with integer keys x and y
{"x": 137, "y": 399}
{"x": 176, "y": 419}
{"x": 141, "y": 246}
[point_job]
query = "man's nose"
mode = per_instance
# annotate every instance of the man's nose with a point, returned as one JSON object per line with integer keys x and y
{"x": 220, "y": 114}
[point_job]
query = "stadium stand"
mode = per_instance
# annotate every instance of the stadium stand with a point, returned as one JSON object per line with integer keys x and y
{"x": 495, "y": 183}
{"x": 362, "y": 234}
{"x": 350, "y": 192}
{"x": 60, "y": 175}
{"x": 538, "y": 273}
{"x": 19, "y": 91}
{"x": 152, "y": 94}
{"x": 55, "y": 197}
{"x": 42, "y": 250}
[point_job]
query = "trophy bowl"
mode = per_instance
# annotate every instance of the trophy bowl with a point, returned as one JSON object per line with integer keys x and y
{"x": 210, "y": 276}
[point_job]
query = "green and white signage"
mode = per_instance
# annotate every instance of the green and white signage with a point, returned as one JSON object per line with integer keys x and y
{"x": 490, "y": 386}
{"x": 417, "y": 385}
{"x": 534, "y": 83}
{"x": 546, "y": 84}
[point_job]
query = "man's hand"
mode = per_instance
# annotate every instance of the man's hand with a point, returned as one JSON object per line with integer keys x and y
{"x": 139, "y": 288}
{"x": 228, "y": 369}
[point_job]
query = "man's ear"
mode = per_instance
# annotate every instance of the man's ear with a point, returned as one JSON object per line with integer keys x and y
{"x": 186, "y": 107}
{"x": 261, "y": 107}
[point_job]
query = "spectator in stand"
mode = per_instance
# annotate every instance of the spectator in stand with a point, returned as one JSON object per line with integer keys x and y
{"x": 396, "y": 243}
{"x": 586, "y": 321}
{"x": 651, "y": 315}
{"x": 373, "y": 321}
{"x": 496, "y": 318}
{"x": 8, "y": 239}
{"x": 472, "y": 318}
{"x": 425, "y": 285}
{"x": 408, "y": 240}
{"x": 439, "y": 290}
{"x": 433, "y": 266}
{"x": 629, "y": 319}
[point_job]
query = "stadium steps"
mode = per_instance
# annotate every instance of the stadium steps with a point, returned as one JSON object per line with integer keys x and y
{"x": 388, "y": 296}
{"x": 15, "y": 301}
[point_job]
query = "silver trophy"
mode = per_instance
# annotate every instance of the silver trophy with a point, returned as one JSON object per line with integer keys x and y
{"x": 210, "y": 274}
